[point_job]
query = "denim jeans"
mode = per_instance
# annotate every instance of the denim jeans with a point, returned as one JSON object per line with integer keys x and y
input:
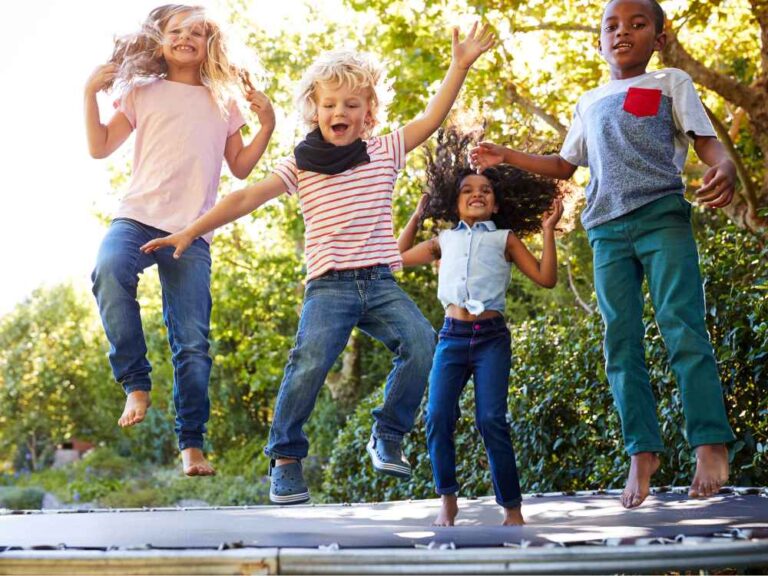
{"x": 186, "y": 310}
{"x": 656, "y": 242}
{"x": 480, "y": 349}
{"x": 334, "y": 304}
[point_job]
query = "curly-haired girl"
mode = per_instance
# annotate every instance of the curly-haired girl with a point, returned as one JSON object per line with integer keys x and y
{"x": 488, "y": 210}
{"x": 176, "y": 77}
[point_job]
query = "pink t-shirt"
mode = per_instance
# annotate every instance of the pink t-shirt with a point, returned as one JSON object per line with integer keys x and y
{"x": 180, "y": 140}
{"x": 348, "y": 216}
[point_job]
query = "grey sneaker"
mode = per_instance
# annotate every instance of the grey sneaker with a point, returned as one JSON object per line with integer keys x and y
{"x": 287, "y": 485}
{"x": 388, "y": 458}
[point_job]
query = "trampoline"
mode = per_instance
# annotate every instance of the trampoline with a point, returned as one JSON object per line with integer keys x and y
{"x": 567, "y": 533}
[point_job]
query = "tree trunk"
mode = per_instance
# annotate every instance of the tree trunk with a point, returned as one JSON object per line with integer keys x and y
{"x": 753, "y": 100}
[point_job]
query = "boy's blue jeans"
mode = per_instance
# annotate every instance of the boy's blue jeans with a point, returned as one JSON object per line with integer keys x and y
{"x": 186, "y": 310}
{"x": 480, "y": 349}
{"x": 656, "y": 241}
{"x": 334, "y": 304}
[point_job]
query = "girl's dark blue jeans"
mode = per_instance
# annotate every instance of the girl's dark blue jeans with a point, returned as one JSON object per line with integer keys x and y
{"x": 481, "y": 350}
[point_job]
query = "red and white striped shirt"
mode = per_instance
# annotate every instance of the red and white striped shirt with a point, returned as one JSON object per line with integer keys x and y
{"x": 348, "y": 216}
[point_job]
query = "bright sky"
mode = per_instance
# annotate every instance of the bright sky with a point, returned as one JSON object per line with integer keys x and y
{"x": 50, "y": 186}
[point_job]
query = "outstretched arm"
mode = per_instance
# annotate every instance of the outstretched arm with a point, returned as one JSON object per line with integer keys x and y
{"x": 103, "y": 140}
{"x": 463, "y": 56}
{"x": 720, "y": 179}
{"x": 229, "y": 209}
{"x": 241, "y": 159}
{"x": 487, "y": 154}
{"x": 544, "y": 273}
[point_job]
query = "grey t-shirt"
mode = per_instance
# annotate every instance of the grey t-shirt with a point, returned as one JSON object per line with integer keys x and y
{"x": 634, "y": 136}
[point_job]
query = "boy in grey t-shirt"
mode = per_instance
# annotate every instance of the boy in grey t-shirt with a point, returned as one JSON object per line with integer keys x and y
{"x": 633, "y": 133}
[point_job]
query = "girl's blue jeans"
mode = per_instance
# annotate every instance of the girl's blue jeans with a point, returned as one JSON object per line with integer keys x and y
{"x": 480, "y": 349}
{"x": 186, "y": 311}
{"x": 334, "y": 304}
{"x": 656, "y": 242}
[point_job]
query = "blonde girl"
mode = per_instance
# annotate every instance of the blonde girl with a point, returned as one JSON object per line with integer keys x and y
{"x": 175, "y": 78}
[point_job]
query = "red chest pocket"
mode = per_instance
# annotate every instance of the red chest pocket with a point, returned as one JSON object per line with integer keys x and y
{"x": 642, "y": 101}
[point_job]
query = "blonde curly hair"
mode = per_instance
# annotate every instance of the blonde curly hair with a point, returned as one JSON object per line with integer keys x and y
{"x": 140, "y": 55}
{"x": 340, "y": 68}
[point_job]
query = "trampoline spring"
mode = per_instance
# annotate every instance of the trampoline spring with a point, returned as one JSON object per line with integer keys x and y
{"x": 521, "y": 544}
{"x": 332, "y": 547}
{"x": 441, "y": 545}
{"x": 660, "y": 490}
{"x": 230, "y": 546}
{"x": 750, "y": 491}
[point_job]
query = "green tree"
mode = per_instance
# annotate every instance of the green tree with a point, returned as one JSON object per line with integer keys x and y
{"x": 55, "y": 383}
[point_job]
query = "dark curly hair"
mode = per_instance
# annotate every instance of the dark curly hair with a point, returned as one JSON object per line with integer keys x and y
{"x": 522, "y": 197}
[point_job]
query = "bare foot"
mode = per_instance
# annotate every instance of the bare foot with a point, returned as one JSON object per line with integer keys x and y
{"x": 513, "y": 517}
{"x": 136, "y": 405}
{"x": 448, "y": 511}
{"x": 711, "y": 470}
{"x": 643, "y": 466}
{"x": 195, "y": 464}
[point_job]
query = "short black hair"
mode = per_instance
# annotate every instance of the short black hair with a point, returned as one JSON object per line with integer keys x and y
{"x": 659, "y": 18}
{"x": 521, "y": 197}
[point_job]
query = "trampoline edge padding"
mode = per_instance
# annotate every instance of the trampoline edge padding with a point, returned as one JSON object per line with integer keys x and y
{"x": 571, "y": 560}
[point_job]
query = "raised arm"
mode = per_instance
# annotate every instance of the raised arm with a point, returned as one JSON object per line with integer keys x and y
{"x": 229, "y": 209}
{"x": 543, "y": 272}
{"x": 423, "y": 253}
{"x": 487, "y": 154}
{"x": 103, "y": 139}
{"x": 463, "y": 55}
{"x": 240, "y": 158}
{"x": 720, "y": 179}
{"x": 408, "y": 234}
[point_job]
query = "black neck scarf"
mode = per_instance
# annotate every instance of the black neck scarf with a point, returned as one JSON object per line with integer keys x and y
{"x": 316, "y": 155}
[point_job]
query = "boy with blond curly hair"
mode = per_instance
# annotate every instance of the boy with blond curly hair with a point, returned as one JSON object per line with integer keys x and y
{"x": 345, "y": 178}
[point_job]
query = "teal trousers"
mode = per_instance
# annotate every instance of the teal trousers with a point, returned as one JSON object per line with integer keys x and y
{"x": 656, "y": 241}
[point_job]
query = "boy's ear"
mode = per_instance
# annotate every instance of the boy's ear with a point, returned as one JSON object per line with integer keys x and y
{"x": 661, "y": 42}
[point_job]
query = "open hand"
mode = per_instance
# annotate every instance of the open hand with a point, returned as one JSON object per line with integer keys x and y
{"x": 466, "y": 52}
{"x": 553, "y": 215}
{"x": 485, "y": 155}
{"x": 101, "y": 78}
{"x": 719, "y": 185}
{"x": 180, "y": 241}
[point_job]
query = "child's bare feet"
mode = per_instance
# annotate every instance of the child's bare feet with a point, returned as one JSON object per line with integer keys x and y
{"x": 513, "y": 517}
{"x": 711, "y": 470}
{"x": 643, "y": 466}
{"x": 448, "y": 511}
{"x": 136, "y": 405}
{"x": 195, "y": 464}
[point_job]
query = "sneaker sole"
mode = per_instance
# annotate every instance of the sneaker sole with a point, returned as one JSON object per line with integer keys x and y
{"x": 397, "y": 470}
{"x": 289, "y": 498}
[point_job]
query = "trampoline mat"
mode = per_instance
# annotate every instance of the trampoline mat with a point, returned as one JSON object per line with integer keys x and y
{"x": 552, "y": 519}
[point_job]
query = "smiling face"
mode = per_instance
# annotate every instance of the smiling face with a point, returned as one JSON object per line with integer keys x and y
{"x": 185, "y": 42}
{"x": 628, "y": 37}
{"x": 476, "y": 201}
{"x": 343, "y": 114}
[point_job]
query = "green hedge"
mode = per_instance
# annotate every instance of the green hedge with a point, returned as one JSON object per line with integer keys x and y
{"x": 565, "y": 430}
{"x": 21, "y": 498}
